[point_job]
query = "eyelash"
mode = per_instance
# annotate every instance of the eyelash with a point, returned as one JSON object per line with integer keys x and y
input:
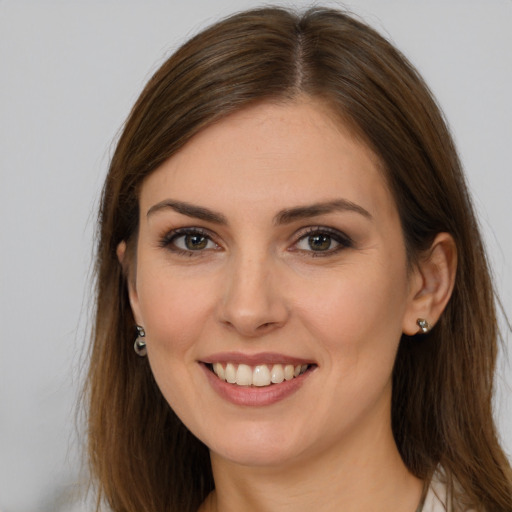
{"x": 168, "y": 241}
{"x": 343, "y": 241}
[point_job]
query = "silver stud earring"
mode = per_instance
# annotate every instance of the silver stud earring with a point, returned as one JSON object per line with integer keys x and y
{"x": 423, "y": 325}
{"x": 140, "y": 344}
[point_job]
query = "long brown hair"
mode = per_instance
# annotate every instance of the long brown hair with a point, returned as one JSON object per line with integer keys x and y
{"x": 143, "y": 459}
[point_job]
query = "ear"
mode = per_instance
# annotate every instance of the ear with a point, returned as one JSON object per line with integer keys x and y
{"x": 431, "y": 283}
{"x": 129, "y": 274}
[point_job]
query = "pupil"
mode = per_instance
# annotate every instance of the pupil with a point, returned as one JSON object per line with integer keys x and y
{"x": 195, "y": 242}
{"x": 319, "y": 242}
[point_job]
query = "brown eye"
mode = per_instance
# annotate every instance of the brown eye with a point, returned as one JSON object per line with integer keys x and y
{"x": 195, "y": 242}
{"x": 189, "y": 241}
{"x": 320, "y": 242}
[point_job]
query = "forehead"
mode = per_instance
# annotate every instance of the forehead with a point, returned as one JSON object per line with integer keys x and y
{"x": 271, "y": 154}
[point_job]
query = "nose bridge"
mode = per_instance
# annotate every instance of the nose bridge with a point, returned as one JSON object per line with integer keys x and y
{"x": 252, "y": 301}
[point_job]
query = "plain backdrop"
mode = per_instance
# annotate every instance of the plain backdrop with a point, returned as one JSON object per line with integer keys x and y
{"x": 70, "y": 72}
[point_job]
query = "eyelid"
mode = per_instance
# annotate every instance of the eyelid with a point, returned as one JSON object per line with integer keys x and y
{"x": 338, "y": 236}
{"x": 341, "y": 238}
{"x": 166, "y": 240}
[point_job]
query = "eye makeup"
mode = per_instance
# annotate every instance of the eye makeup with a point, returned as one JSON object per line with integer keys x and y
{"x": 188, "y": 241}
{"x": 321, "y": 241}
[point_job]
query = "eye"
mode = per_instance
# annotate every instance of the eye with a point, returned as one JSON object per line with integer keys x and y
{"x": 318, "y": 242}
{"x": 323, "y": 240}
{"x": 192, "y": 242}
{"x": 188, "y": 240}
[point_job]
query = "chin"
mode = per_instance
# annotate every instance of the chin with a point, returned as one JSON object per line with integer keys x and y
{"x": 256, "y": 456}
{"x": 256, "y": 446}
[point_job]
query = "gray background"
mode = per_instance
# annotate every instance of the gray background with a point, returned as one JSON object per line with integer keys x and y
{"x": 70, "y": 72}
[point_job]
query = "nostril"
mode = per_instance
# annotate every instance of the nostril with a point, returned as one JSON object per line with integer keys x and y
{"x": 266, "y": 326}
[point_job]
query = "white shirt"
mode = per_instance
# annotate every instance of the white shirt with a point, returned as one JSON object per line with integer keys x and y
{"x": 437, "y": 498}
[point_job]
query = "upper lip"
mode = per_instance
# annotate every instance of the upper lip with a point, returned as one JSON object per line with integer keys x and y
{"x": 255, "y": 359}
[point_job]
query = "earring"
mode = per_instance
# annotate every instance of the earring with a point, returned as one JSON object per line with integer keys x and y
{"x": 423, "y": 325}
{"x": 140, "y": 344}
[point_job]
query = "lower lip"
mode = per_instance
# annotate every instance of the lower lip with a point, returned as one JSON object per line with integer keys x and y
{"x": 252, "y": 395}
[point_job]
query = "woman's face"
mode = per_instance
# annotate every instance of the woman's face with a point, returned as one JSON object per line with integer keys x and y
{"x": 270, "y": 249}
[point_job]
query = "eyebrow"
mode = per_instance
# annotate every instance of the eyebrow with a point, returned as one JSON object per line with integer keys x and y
{"x": 304, "y": 212}
{"x": 285, "y": 216}
{"x": 189, "y": 210}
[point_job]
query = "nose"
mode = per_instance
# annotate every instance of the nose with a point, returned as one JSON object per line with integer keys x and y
{"x": 253, "y": 302}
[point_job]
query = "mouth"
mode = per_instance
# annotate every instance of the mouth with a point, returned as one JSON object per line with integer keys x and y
{"x": 259, "y": 375}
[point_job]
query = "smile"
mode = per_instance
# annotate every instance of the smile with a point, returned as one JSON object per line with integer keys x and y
{"x": 260, "y": 375}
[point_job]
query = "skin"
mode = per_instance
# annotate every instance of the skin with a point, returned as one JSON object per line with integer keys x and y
{"x": 258, "y": 285}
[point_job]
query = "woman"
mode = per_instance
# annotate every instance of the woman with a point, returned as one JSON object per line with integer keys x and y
{"x": 287, "y": 242}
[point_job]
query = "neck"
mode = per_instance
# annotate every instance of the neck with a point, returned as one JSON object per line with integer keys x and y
{"x": 367, "y": 474}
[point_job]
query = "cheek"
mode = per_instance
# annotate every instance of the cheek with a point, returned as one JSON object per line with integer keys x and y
{"x": 176, "y": 313}
{"x": 358, "y": 315}
{"x": 173, "y": 309}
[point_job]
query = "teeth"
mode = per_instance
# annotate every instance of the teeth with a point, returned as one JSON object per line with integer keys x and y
{"x": 219, "y": 370}
{"x": 230, "y": 373}
{"x": 260, "y": 375}
{"x": 244, "y": 375}
{"x": 277, "y": 374}
{"x": 289, "y": 371}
